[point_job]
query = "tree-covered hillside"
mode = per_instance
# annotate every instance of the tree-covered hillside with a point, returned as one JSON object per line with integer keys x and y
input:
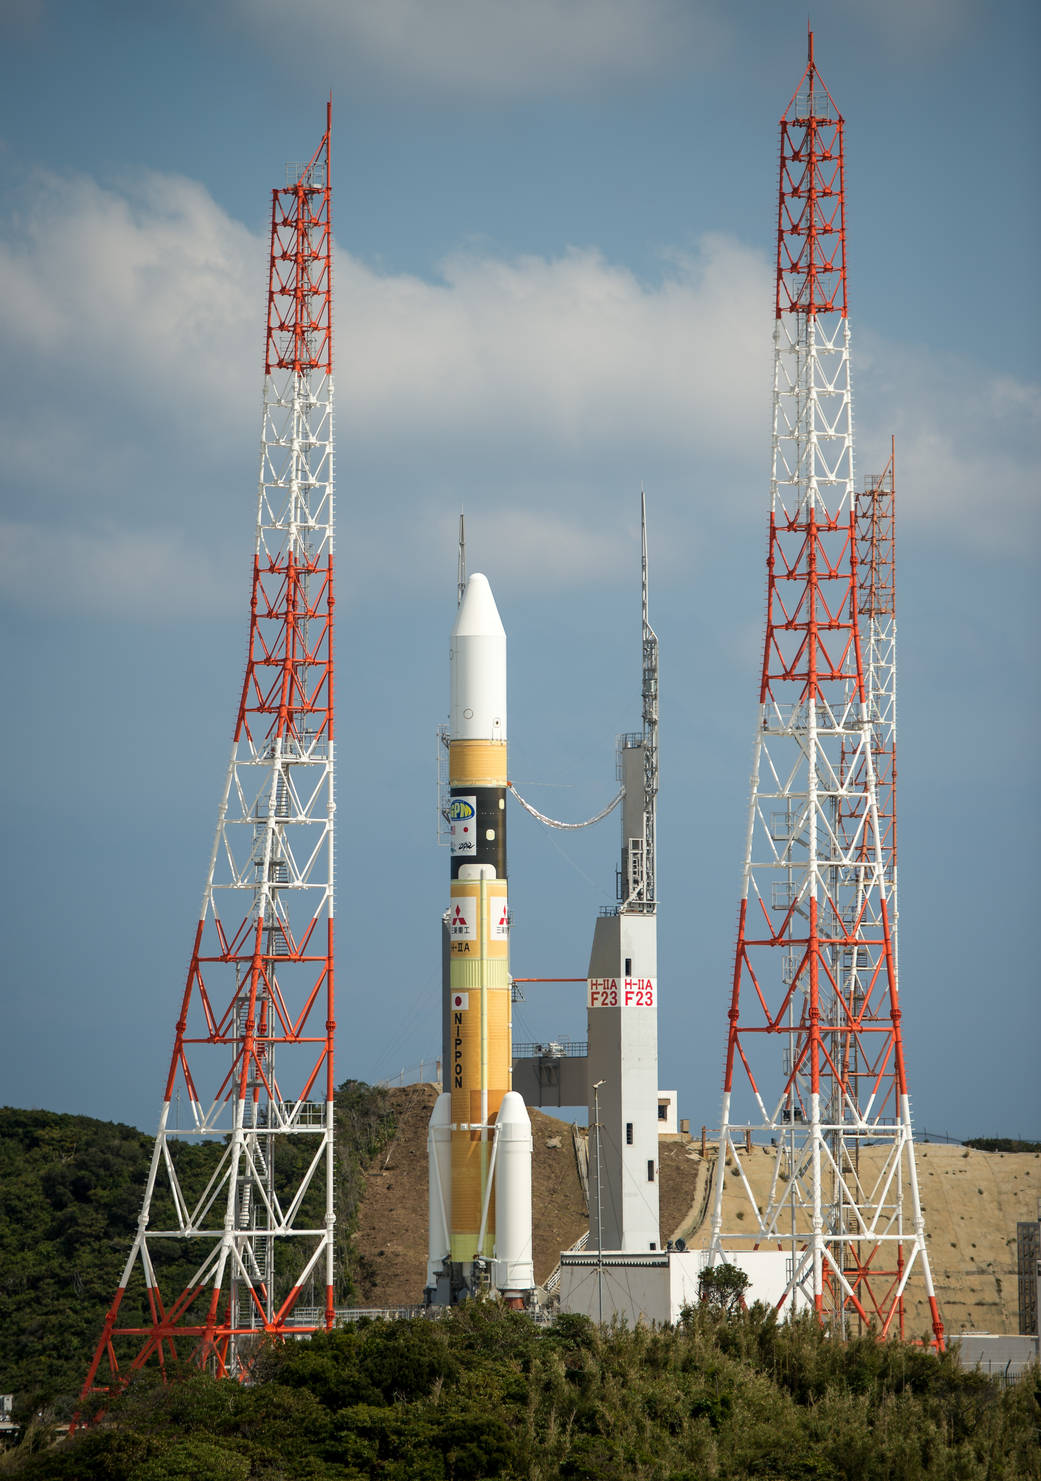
{"x": 70, "y": 1195}
{"x": 483, "y": 1392}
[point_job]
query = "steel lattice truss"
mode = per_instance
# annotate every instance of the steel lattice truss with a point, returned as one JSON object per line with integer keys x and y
{"x": 637, "y": 879}
{"x": 251, "y": 1075}
{"x": 876, "y": 603}
{"x": 649, "y": 697}
{"x": 815, "y": 1073}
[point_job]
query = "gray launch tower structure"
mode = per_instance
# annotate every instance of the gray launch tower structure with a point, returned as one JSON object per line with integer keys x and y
{"x": 622, "y": 997}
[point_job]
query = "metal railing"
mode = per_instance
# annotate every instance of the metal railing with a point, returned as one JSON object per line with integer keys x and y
{"x": 552, "y": 1049}
{"x": 553, "y": 1279}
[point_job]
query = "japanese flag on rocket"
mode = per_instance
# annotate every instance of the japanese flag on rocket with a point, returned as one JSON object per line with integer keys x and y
{"x": 462, "y": 919}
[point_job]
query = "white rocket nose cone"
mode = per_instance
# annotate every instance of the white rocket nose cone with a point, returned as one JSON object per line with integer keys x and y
{"x": 478, "y": 616}
{"x": 477, "y": 661}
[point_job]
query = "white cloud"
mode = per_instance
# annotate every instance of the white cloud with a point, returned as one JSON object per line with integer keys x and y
{"x": 536, "y": 546}
{"x": 495, "y": 47}
{"x": 574, "y": 350}
{"x": 1012, "y": 398}
{"x": 536, "y": 392}
{"x": 983, "y": 495}
{"x": 966, "y": 445}
{"x": 135, "y": 574}
{"x": 152, "y": 280}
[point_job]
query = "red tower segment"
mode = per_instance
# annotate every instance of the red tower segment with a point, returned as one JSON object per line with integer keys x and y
{"x": 299, "y": 306}
{"x": 235, "y": 1237}
{"x": 811, "y": 211}
{"x": 815, "y": 1064}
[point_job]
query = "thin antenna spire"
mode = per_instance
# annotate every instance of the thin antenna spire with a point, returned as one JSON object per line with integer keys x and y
{"x": 462, "y": 556}
{"x": 650, "y": 648}
{"x": 649, "y": 696}
{"x": 643, "y": 557}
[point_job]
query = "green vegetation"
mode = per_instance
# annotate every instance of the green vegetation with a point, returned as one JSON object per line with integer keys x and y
{"x": 722, "y": 1288}
{"x": 480, "y": 1393}
{"x": 484, "y": 1393}
{"x": 1001, "y": 1144}
{"x": 70, "y": 1195}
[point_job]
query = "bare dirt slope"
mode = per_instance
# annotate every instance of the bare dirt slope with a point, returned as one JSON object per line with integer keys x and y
{"x": 392, "y": 1220}
{"x": 972, "y": 1203}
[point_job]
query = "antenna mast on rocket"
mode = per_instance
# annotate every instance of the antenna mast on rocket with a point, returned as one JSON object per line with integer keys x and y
{"x": 461, "y": 575}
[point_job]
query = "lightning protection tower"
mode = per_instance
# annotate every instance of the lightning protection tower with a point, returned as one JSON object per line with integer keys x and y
{"x": 816, "y": 1157}
{"x": 246, "y": 1252}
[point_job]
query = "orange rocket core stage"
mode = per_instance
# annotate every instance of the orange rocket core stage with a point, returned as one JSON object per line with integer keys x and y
{"x": 480, "y": 1070}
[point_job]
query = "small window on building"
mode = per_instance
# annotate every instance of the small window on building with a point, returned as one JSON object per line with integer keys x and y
{"x": 628, "y": 1133}
{"x": 650, "y": 1171}
{"x": 663, "y": 1110}
{"x": 628, "y": 966}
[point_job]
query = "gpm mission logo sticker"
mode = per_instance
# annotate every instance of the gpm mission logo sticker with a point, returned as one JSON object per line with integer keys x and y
{"x": 462, "y": 815}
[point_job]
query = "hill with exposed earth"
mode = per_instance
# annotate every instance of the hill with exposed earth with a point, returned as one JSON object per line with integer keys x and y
{"x": 972, "y": 1202}
{"x": 71, "y": 1187}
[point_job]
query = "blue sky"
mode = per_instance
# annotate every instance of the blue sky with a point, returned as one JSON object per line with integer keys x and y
{"x": 554, "y": 228}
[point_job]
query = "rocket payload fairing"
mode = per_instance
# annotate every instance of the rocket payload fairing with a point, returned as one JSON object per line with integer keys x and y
{"x": 479, "y": 1144}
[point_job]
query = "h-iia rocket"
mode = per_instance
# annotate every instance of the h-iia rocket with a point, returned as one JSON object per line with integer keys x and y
{"x": 479, "y": 1144}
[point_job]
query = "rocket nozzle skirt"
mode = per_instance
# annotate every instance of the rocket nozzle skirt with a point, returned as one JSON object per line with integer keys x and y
{"x": 481, "y": 1067}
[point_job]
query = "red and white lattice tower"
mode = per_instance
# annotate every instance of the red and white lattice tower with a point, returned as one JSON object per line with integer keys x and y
{"x": 251, "y": 1075}
{"x": 816, "y": 1157}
